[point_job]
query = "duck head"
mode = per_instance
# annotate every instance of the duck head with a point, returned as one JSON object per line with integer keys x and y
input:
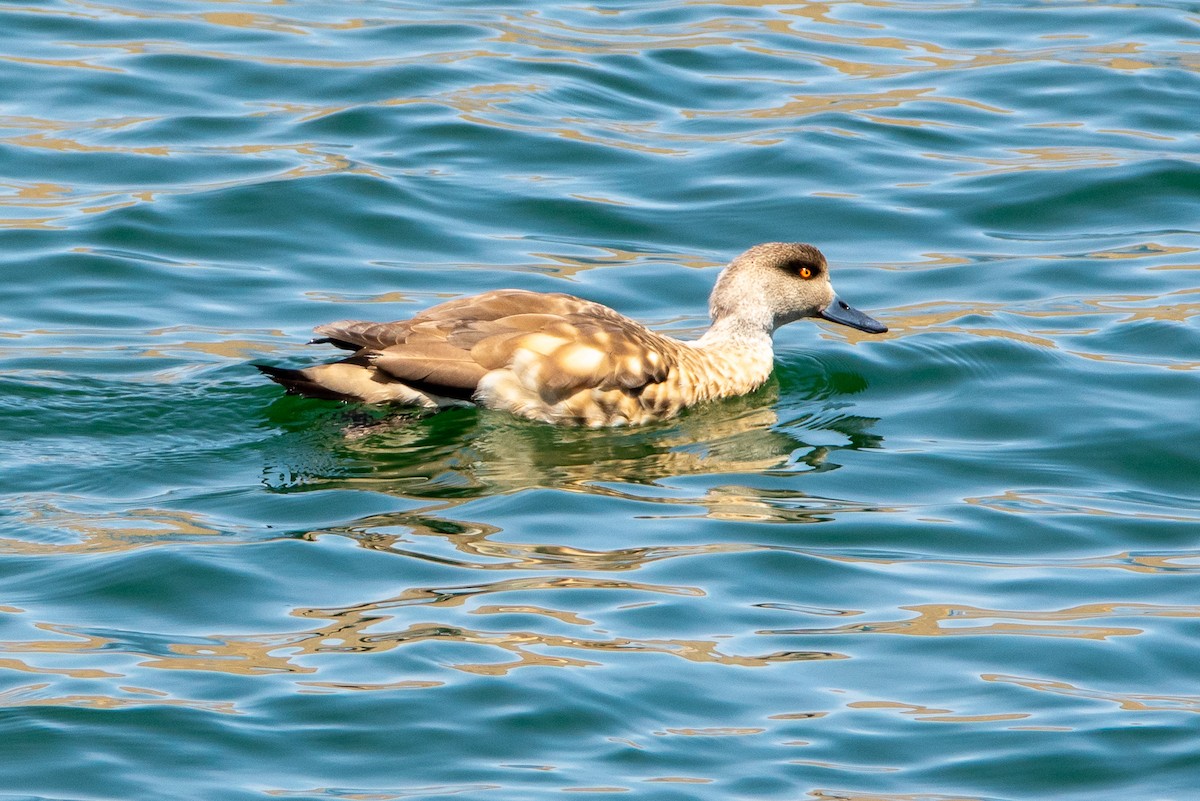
{"x": 778, "y": 283}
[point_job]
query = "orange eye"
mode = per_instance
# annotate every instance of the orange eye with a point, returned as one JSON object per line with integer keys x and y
{"x": 806, "y": 272}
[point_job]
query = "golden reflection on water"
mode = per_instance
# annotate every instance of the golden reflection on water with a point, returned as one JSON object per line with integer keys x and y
{"x": 1016, "y": 502}
{"x": 409, "y": 533}
{"x": 349, "y": 634}
{"x": 65, "y": 144}
{"x": 1139, "y": 251}
{"x": 1109, "y": 310}
{"x": 608, "y": 256}
{"x": 361, "y": 629}
{"x": 233, "y": 349}
{"x": 491, "y": 112}
{"x": 224, "y": 345}
{"x": 1130, "y": 702}
{"x": 262, "y": 22}
{"x": 543, "y": 33}
{"x": 74, "y": 673}
{"x": 928, "y": 714}
{"x": 515, "y": 609}
{"x": 342, "y": 792}
{"x": 448, "y": 597}
{"x": 845, "y": 766}
{"x": 851, "y": 795}
{"x": 717, "y": 731}
{"x": 313, "y": 162}
{"x": 805, "y": 105}
{"x": 32, "y": 695}
{"x": 31, "y": 223}
{"x": 187, "y": 49}
{"x": 69, "y": 63}
{"x": 537, "y": 32}
{"x": 938, "y": 620}
{"x": 340, "y": 686}
{"x": 1142, "y": 562}
{"x": 535, "y": 36}
{"x": 231, "y": 19}
{"x": 63, "y": 531}
{"x": 1040, "y": 159}
{"x": 49, "y": 194}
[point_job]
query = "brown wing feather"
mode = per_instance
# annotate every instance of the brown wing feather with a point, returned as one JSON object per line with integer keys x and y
{"x": 462, "y": 315}
{"x": 506, "y": 303}
{"x": 360, "y": 334}
{"x": 432, "y": 364}
{"x": 448, "y": 348}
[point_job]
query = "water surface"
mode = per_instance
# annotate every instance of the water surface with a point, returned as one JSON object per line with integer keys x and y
{"x": 956, "y": 561}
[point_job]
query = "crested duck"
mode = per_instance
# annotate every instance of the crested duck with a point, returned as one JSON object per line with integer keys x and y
{"x": 561, "y": 359}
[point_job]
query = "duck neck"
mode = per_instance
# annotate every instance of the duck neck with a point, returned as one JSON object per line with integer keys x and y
{"x": 736, "y": 357}
{"x": 737, "y": 348}
{"x": 736, "y": 332}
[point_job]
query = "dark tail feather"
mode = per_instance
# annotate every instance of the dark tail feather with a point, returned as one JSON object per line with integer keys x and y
{"x": 296, "y": 383}
{"x": 337, "y": 343}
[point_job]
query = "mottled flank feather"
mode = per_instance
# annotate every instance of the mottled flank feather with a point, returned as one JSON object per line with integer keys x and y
{"x": 562, "y": 359}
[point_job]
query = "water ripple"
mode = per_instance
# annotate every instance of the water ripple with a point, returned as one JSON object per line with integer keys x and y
{"x": 320, "y": 599}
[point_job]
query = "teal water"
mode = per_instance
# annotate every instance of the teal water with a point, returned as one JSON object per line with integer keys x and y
{"x": 957, "y": 561}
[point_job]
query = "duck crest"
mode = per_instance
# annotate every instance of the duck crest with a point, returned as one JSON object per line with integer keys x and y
{"x": 561, "y": 359}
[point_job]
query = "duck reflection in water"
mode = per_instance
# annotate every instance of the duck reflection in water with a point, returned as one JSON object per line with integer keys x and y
{"x": 467, "y": 453}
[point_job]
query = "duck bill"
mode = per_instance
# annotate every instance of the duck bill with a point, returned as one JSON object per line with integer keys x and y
{"x": 839, "y": 311}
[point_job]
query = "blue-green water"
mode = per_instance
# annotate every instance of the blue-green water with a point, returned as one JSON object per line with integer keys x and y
{"x": 957, "y": 561}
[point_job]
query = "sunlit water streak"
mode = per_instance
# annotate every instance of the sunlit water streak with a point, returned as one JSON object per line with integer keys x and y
{"x": 953, "y": 562}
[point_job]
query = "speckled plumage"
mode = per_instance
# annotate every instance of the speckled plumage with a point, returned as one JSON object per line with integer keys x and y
{"x": 561, "y": 359}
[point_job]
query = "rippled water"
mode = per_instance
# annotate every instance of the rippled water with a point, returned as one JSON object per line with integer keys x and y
{"x": 957, "y": 561}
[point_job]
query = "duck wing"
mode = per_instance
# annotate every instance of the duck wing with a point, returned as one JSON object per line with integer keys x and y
{"x": 556, "y": 344}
